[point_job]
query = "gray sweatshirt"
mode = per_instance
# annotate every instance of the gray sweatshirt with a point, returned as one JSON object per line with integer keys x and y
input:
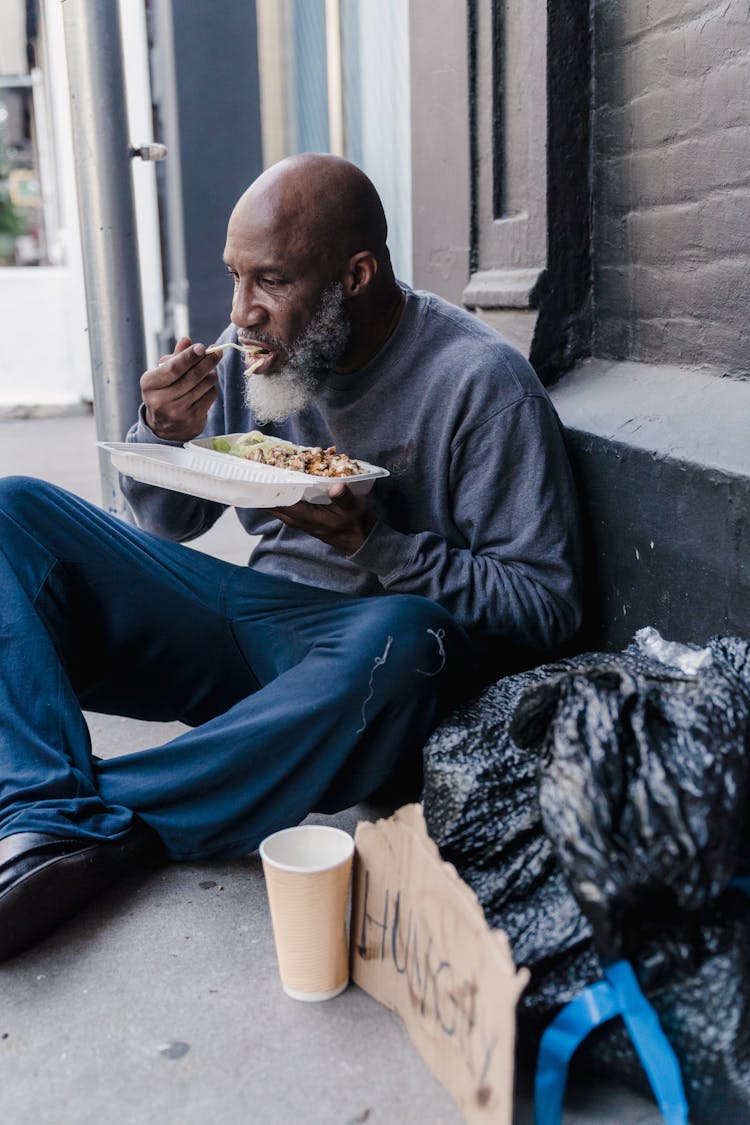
{"x": 479, "y": 512}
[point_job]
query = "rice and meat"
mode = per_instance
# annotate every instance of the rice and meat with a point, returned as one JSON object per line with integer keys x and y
{"x": 313, "y": 460}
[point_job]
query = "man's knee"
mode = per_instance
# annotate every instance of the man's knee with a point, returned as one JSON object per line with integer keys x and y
{"x": 420, "y": 639}
{"x": 17, "y": 492}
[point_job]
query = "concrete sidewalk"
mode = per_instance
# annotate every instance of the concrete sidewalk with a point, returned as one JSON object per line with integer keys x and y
{"x": 162, "y": 1002}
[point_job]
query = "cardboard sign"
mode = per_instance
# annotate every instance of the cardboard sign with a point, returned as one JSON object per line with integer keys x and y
{"x": 420, "y": 945}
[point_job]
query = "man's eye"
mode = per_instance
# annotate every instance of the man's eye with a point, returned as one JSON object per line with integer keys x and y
{"x": 271, "y": 282}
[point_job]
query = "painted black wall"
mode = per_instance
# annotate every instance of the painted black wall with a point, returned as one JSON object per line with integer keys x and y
{"x": 668, "y": 541}
{"x": 563, "y": 295}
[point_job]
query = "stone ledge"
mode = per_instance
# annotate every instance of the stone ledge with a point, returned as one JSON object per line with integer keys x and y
{"x": 661, "y": 458}
{"x": 502, "y": 289}
{"x": 687, "y": 414}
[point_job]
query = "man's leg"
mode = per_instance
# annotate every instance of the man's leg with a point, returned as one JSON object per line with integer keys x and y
{"x": 351, "y": 690}
{"x": 126, "y": 623}
{"x": 91, "y": 610}
{"x": 99, "y": 615}
{"x": 122, "y": 622}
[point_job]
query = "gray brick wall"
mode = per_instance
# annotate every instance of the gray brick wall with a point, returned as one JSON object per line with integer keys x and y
{"x": 671, "y": 171}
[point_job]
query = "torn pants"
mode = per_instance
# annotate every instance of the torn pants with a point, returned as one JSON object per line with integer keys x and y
{"x": 299, "y": 699}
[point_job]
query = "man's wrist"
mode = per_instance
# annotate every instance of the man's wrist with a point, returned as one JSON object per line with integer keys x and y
{"x": 166, "y": 432}
{"x": 142, "y": 431}
{"x": 367, "y": 527}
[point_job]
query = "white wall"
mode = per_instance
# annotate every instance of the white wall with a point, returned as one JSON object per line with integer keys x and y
{"x": 376, "y": 76}
{"x": 44, "y": 357}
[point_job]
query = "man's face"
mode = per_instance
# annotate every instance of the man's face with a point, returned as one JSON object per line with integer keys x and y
{"x": 286, "y": 300}
{"x": 314, "y": 353}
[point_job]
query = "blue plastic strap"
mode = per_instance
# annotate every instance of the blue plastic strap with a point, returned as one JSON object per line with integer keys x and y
{"x": 564, "y": 1035}
{"x": 653, "y": 1047}
{"x": 618, "y": 994}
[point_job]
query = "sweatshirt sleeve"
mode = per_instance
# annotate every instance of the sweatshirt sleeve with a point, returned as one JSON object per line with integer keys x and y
{"x": 514, "y": 571}
{"x": 172, "y": 515}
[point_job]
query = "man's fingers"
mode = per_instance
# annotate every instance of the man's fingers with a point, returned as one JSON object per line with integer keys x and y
{"x": 186, "y": 405}
{"x": 203, "y": 401}
{"x": 175, "y": 404}
{"x": 191, "y": 365}
{"x": 344, "y": 524}
{"x": 179, "y": 392}
{"x": 191, "y": 385}
{"x": 340, "y": 492}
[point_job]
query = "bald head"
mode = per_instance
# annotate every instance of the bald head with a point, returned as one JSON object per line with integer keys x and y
{"x": 322, "y": 201}
{"x": 310, "y": 228}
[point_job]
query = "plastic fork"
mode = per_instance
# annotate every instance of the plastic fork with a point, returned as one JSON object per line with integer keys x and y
{"x": 246, "y": 349}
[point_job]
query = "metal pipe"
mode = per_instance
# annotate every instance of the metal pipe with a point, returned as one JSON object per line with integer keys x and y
{"x": 101, "y": 146}
{"x": 178, "y": 287}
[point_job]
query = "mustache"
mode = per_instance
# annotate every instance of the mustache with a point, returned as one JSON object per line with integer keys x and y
{"x": 261, "y": 338}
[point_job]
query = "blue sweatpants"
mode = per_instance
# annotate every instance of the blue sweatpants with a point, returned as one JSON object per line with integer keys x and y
{"x": 299, "y": 699}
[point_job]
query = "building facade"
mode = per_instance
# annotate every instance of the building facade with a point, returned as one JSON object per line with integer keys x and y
{"x": 578, "y": 175}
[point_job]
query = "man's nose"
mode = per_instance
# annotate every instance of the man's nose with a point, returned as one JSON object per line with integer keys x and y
{"x": 246, "y": 309}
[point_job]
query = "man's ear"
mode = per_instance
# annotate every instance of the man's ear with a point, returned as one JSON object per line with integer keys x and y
{"x": 359, "y": 273}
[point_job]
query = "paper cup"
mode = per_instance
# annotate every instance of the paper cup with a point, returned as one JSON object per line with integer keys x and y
{"x": 307, "y": 871}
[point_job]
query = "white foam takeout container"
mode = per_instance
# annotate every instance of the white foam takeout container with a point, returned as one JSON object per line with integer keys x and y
{"x": 199, "y": 471}
{"x": 315, "y": 488}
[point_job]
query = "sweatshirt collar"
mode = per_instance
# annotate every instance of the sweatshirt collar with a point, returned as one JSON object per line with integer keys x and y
{"x": 351, "y": 383}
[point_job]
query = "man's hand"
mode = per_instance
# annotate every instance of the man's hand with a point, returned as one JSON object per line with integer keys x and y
{"x": 179, "y": 392}
{"x": 344, "y": 524}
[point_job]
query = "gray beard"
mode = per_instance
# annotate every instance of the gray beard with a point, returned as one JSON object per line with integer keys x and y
{"x": 315, "y": 352}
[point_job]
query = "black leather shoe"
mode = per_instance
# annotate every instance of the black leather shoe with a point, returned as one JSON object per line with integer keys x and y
{"x": 44, "y": 880}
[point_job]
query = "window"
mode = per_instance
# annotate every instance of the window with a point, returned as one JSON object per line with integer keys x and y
{"x": 26, "y": 220}
{"x": 334, "y": 77}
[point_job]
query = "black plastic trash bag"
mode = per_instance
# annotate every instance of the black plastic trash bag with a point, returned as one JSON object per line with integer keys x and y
{"x": 642, "y": 784}
{"x": 611, "y": 822}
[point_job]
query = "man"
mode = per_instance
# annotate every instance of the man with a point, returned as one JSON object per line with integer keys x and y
{"x": 312, "y": 677}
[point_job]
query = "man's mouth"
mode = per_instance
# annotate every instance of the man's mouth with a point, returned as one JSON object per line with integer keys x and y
{"x": 260, "y": 359}
{"x": 259, "y": 363}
